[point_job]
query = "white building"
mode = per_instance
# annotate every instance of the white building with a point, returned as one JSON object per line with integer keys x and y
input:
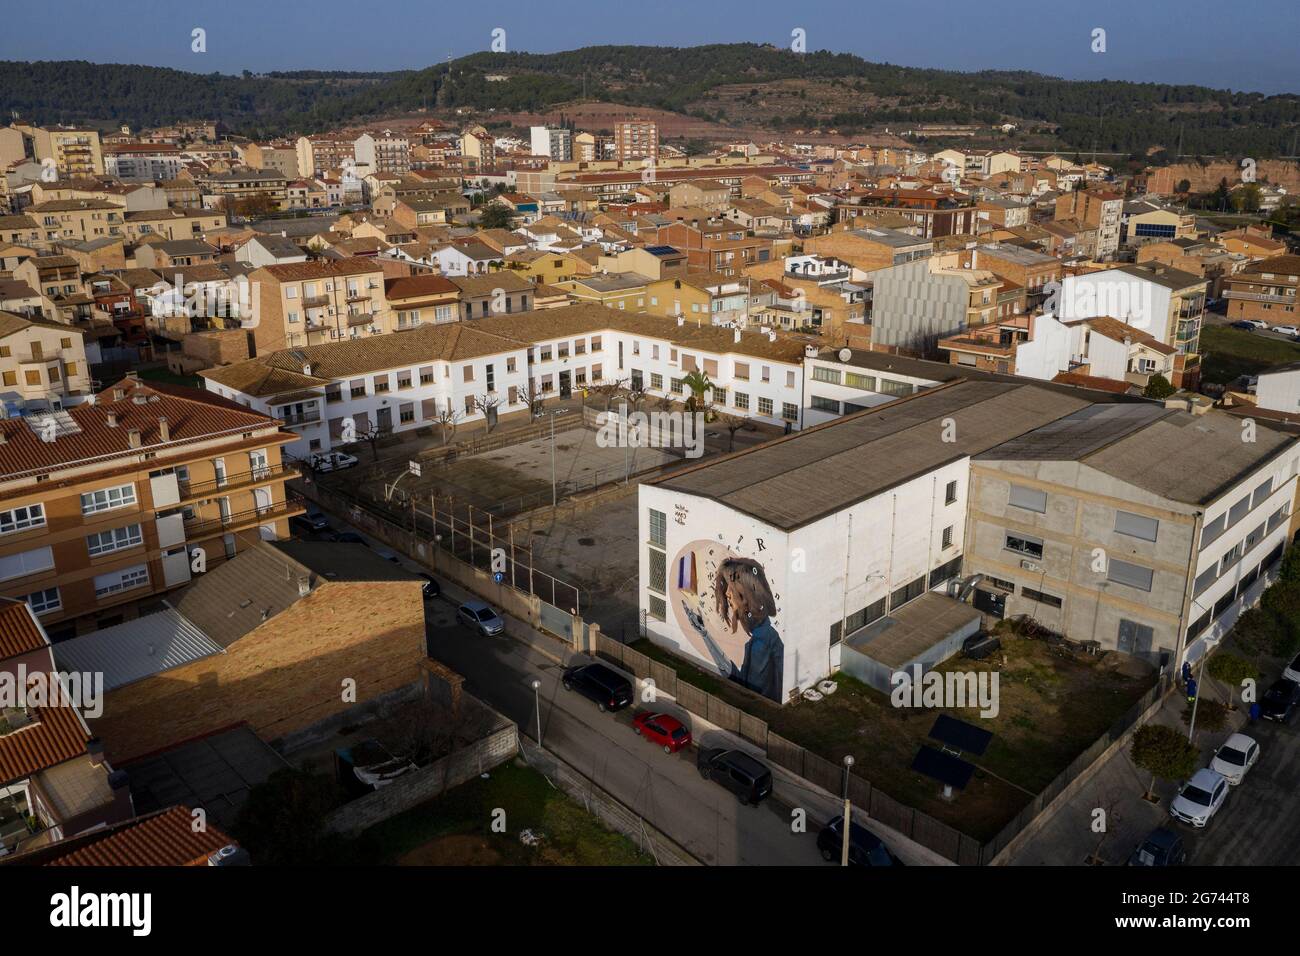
{"x": 1278, "y": 388}
{"x": 557, "y": 143}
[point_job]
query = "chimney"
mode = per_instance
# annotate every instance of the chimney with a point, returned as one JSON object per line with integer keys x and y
{"x": 736, "y": 335}
{"x": 112, "y": 419}
{"x": 119, "y": 394}
{"x": 95, "y": 751}
{"x": 304, "y": 586}
{"x": 164, "y": 431}
{"x": 133, "y": 437}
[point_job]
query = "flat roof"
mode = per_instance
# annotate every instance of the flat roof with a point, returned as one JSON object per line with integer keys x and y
{"x": 803, "y": 477}
{"x": 902, "y": 636}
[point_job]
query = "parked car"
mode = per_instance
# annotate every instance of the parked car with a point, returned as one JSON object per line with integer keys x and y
{"x": 1280, "y": 700}
{"x": 1199, "y": 799}
{"x": 738, "y": 772}
{"x": 662, "y": 729}
{"x": 431, "y": 588}
{"x": 1244, "y": 325}
{"x": 1256, "y": 323}
{"x": 1292, "y": 671}
{"x": 347, "y": 537}
{"x": 1290, "y": 330}
{"x": 313, "y": 520}
{"x": 480, "y": 616}
{"x": 1161, "y": 848}
{"x": 865, "y": 848}
{"x": 1234, "y": 757}
{"x": 604, "y": 685}
{"x": 332, "y": 461}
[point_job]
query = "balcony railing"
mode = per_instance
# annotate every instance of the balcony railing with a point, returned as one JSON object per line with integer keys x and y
{"x": 206, "y": 527}
{"x": 1259, "y": 297}
{"x": 195, "y": 489}
{"x": 361, "y": 318}
{"x": 292, "y": 420}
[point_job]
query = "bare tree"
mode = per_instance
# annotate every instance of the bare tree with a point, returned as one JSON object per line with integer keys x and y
{"x": 487, "y": 404}
{"x": 447, "y": 420}
{"x": 734, "y": 423}
{"x": 371, "y": 437}
{"x": 609, "y": 389}
{"x": 636, "y": 395}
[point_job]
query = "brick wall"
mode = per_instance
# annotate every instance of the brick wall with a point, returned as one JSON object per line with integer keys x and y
{"x": 282, "y": 676}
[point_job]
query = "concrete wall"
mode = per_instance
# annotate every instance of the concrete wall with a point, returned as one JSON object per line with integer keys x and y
{"x": 912, "y": 308}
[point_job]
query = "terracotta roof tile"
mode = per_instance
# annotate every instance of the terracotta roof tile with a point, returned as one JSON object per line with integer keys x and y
{"x": 166, "y": 838}
{"x": 54, "y": 736}
{"x": 18, "y": 631}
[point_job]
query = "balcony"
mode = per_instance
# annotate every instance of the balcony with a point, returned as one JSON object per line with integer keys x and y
{"x": 1259, "y": 297}
{"x": 294, "y": 420}
{"x": 199, "y": 529}
{"x": 199, "y": 489}
{"x": 360, "y": 318}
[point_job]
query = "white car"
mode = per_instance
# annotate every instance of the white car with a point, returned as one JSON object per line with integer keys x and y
{"x": 1286, "y": 330}
{"x": 1237, "y": 755}
{"x": 332, "y": 461}
{"x": 1257, "y": 323}
{"x": 1199, "y": 799}
{"x": 1293, "y": 670}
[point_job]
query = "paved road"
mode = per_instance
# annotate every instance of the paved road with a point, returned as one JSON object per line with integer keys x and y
{"x": 667, "y": 790}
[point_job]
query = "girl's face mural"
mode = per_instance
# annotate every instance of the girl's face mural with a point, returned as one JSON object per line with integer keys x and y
{"x": 718, "y": 596}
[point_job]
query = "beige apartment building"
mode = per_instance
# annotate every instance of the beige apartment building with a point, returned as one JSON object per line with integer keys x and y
{"x": 74, "y": 151}
{"x": 107, "y": 505}
{"x": 636, "y": 139}
{"x": 79, "y": 220}
{"x": 42, "y": 364}
{"x": 310, "y": 303}
{"x": 320, "y": 154}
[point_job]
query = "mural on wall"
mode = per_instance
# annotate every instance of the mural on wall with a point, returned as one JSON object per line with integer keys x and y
{"x": 725, "y": 609}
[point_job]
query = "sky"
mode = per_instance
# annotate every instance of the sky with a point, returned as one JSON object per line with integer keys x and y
{"x": 1240, "y": 45}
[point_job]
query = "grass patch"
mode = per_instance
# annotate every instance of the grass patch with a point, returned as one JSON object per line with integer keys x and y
{"x": 1230, "y": 352}
{"x": 456, "y": 828}
{"x": 1052, "y": 707}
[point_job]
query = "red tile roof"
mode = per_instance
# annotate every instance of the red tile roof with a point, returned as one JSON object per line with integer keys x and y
{"x": 191, "y": 415}
{"x": 54, "y": 736}
{"x": 166, "y": 838}
{"x": 18, "y": 631}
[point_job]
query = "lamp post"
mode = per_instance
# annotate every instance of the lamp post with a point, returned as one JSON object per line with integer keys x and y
{"x": 537, "y": 698}
{"x": 848, "y": 813}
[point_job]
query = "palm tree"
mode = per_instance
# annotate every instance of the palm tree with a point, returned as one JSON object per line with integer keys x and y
{"x": 698, "y": 383}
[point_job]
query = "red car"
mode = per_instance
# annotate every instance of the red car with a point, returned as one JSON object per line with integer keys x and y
{"x": 668, "y": 732}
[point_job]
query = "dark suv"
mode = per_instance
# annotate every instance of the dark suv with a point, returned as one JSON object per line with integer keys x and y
{"x": 738, "y": 772}
{"x": 608, "y": 688}
{"x": 865, "y": 848}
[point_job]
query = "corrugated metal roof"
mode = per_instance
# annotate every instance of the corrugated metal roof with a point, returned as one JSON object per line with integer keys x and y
{"x": 136, "y": 649}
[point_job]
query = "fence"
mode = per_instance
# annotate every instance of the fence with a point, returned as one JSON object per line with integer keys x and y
{"x": 917, "y": 825}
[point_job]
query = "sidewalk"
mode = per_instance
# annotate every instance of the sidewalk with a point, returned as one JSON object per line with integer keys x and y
{"x": 1066, "y": 837}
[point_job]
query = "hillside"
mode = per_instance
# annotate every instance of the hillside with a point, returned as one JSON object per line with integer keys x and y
{"x": 737, "y": 85}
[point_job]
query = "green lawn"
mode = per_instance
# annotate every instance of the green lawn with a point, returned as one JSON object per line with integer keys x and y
{"x": 1230, "y": 352}
{"x": 456, "y": 828}
{"x": 1052, "y": 707}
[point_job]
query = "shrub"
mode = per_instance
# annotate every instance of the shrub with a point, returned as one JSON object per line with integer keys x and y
{"x": 1165, "y": 753}
{"x": 1210, "y": 715}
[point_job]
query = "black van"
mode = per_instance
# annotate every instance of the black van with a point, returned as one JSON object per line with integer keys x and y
{"x": 608, "y": 688}
{"x": 865, "y": 848}
{"x": 738, "y": 772}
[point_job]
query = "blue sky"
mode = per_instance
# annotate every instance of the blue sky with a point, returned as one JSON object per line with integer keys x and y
{"x": 1246, "y": 44}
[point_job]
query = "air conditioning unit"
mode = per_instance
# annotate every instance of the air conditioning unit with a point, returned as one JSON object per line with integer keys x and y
{"x": 1030, "y": 566}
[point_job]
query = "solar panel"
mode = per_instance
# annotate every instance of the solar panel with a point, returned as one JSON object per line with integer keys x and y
{"x": 948, "y": 770}
{"x": 960, "y": 735}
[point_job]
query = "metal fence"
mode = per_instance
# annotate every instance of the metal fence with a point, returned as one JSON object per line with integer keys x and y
{"x": 945, "y": 840}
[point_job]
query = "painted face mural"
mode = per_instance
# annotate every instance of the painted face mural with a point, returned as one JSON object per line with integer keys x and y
{"x": 725, "y": 608}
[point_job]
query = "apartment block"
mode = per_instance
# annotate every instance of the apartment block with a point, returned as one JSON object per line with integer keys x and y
{"x": 308, "y": 303}
{"x": 1266, "y": 290}
{"x": 636, "y": 139}
{"x": 103, "y": 505}
{"x": 42, "y": 364}
{"x": 1098, "y": 208}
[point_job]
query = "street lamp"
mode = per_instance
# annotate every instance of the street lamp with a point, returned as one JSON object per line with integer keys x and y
{"x": 848, "y": 812}
{"x": 537, "y": 697}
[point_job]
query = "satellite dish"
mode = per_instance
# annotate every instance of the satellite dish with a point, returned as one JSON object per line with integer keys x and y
{"x": 846, "y": 354}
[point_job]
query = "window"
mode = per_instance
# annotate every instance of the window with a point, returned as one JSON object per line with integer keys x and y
{"x": 42, "y": 602}
{"x": 1042, "y": 597}
{"x": 658, "y": 527}
{"x": 789, "y": 411}
{"x": 947, "y": 537}
{"x": 595, "y": 343}
{"x": 906, "y": 593}
{"x": 950, "y": 493}
{"x": 122, "y": 580}
{"x": 1205, "y": 579}
{"x": 114, "y": 539}
{"x": 1023, "y": 544}
{"x": 1254, "y": 538}
{"x": 510, "y": 363}
{"x": 1133, "y": 575}
{"x": 426, "y": 375}
{"x": 1028, "y": 498}
{"x": 657, "y": 381}
{"x": 406, "y": 413}
{"x": 381, "y": 384}
{"x": 944, "y": 572}
{"x": 1211, "y": 532}
{"x": 742, "y": 401}
{"x": 107, "y": 498}
{"x": 357, "y": 388}
{"x": 890, "y": 387}
{"x": 1238, "y": 511}
{"x": 825, "y": 404}
{"x": 1261, "y": 493}
{"x": 765, "y": 406}
{"x": 404, "y": 379}
{"x": 1136, "y": 526}
{"x": 1002, "y": 584}
{"x": 742, "y": 371}
{"x": 25, "y": 563}
{"x": 20, "y": 519}
{"x": 677, "y": 386}
{"x": 857, "y": 380}
{"x": 658, "y": 570}
{"x": 858, "y": 620}
{"x": 656, "y": 608}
